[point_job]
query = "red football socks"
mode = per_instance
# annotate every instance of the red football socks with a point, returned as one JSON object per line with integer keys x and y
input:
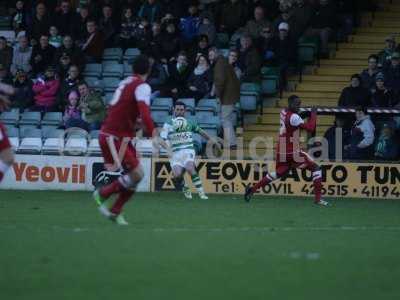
{"x": 263, "y": 182}
{"x": 123, "y": 197}
{"x": 113, "y": 188}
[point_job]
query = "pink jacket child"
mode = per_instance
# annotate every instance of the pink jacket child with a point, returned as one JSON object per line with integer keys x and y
{"x": 45, "y": 90}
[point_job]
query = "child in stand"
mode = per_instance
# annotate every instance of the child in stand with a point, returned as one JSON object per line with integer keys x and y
{"x": 72, "y": 114}
{"x": 55, "y": 39}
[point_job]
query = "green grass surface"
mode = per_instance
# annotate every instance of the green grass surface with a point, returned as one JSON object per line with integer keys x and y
{"x": 54, "y": 245}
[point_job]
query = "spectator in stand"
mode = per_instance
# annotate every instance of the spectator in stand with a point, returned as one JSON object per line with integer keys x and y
{"x": 6, "y": 53}
{"x": 227, "y": 90}
{"x": 63, "y": 66}
{"x": 362, "y": 137}
{"x": 72, "y": 113}
{"x": 233, "y": 61}
{"x": 179, "y": 72}
{"x": 155, "y": 40}
{"x": 250, "y": 61}
{"x": 23, "y": 96}
{"x": 207, "y": 27}
{"x": 19, "y": 17}
{"x": 322, "y": 24}
{"x": 345, "y": 16}
{"x": 233, "y": 16}
{"x": 42, "y": 55}
{"x": 127, "y": 33}
{"x": 150, "y": 10}
{"x": 189, "y": 26}
{"x": 40, "y": 24}
{"x": 65, "y": 18}
{"x": 381, "y": 95}
{"x": 286, "y": 16}
{"x": 200, "y": 81}
{"x": 368, "y": 76}
{"x": 392, "y": 73}
{"x": 254, "y": 27}
{"x": 157, "y": 76}
{"x": 302, "y": 14}
{"x": 355, "y": 95}
{"x": 387, "y": 147}
{"x": 54, "y": 38}
{"x": 202, "y": 48}
{"x": 265, "y": 41}
{"x": 4, "y": 75}
{"x": 79, "y": 24}
{"x": 68, "y": 49}
{"x": 93, "y": 46}
{"x": 108, "y": 27}
{"x": 21, "y": 56}
{"x": 92, "y": 107}
{"x": 338, "y": 132}
{"x": 134, "y": 5}
{"x": 282, "y": 52}
{"x": 45, "y": 91}
{"x": 142, "y": 34}
{"x": 386, "y": 54}
{"x": 170, "y": 43}
{"x": 68, "y": 84}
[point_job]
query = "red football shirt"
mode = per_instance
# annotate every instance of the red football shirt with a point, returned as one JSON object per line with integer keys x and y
{"x": 124, "y": 107}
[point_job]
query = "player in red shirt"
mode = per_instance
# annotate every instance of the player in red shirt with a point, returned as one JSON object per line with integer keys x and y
{"x": 131, "y": 103}
{"x": 6, "y": 152}
{"x": 288, "y": 152}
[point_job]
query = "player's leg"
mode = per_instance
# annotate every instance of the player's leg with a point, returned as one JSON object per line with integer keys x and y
{"x": 191, "y": 169}
{"x": 178, "y": 172}
{"x": 6, "y": 153}
{"x": 307, "y": 162}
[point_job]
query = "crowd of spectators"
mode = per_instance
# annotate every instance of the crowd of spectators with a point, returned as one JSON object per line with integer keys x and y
{"x": 56, "y": 39}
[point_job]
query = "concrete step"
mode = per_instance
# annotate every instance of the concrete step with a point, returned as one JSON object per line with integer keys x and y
{"x": 308, "y": 95}
{"x": 342, "y": 62}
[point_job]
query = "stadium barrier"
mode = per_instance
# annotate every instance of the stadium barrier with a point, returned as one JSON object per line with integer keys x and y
{"x": 67, "y": 173}
{"x": 341, "y": 180}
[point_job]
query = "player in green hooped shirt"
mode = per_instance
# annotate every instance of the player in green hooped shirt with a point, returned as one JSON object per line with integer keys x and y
{"x": 179, "y": 133}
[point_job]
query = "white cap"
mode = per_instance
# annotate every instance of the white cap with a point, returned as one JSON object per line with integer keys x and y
{"x": 283, "y": 26}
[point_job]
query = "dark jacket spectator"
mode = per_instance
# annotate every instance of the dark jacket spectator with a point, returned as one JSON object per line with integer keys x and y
{"x": 69, "y": 83}
{"x": 19, "y": 17}
{"x": 40, "y": 24}
{"x": 254, "y": 27}
{"x": 249, "y": 60}
{"x": 23, "y": 96}
{"x": 368, "y": 76}
{"x": 170, "y": 43}
{"x": 5, "y": 76}
{"x": 157, "y": 76}
{"x": 6, "y": 53}
{"x": 127, "y": 31}
{"x": 79, "y": 23}
{"x": 354, "y": 95}
{"x": 381, "y": 95}
{"x": 233, "y": 16}
{"x": 65, "y": 18}
{"x": 93, "y": 46}
{"x": 179, "y": 72}
{"x": 69, "y": 49}
{"x": 42, "y": 55}
{"x": 200, "y": 81}
{"x": 227, "y": 84}
{"x": 302, "y": 14}
{"x": 207, "y": 28}
{"x": 108, "y": 27}
{"x": 155, "y": 40}
{"x": 386, "y": 54}
{"x": 150, "y": 10}
{"x": 392, "y": 72}
{"x": 200, "y": 49}
{"x": 331, "y": 137}
{"x": 45, "y": 91}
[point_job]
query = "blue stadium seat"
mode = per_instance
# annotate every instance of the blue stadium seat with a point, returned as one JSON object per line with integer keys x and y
{"x": 190, "y": 103}
{"x": 112, "y": 54}
{"x": 30, "y": 118}
{"x": 248, "y": 101}
{"x": 113, "y": 70}
{"x": 94, "y": 83}
{"x": 162, "y": 103}
{"x": 110, "y": 84}
{"x": 52, "y": 118}
{"x": 208, "y": 105}
{"x": 10, "y": 117}
{"x": 127, "y": 69}
{"x": 160, "y": 116}
{"x": 93, "y": 70}
{"x": 130, "y": 54}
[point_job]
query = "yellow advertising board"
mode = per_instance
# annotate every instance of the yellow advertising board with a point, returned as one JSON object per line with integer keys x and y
{"x": 355, "y": 180}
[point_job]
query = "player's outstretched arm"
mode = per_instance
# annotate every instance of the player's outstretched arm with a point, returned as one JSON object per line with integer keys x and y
{"x": 209, "y": 138}
{"x": 145, "y": 115}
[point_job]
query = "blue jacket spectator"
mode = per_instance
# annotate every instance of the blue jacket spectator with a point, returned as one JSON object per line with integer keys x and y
{"x": 150, "y": 10}
{"x": 190, "y": 25}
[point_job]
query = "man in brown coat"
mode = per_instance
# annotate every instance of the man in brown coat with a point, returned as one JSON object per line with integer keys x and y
{"x": 227, "y": 89}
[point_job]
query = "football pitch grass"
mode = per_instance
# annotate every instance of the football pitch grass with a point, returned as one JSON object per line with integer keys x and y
{"x": 55, "y": 245}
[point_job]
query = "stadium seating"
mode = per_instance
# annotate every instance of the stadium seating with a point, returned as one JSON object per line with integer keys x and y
{"x": 76, "y": 142}
{"x": 130, "y": 54}
{"x": 127, "y": 69}
{"x": 144, "y": 146}
{"x": 94, "y": 146}
{"x": 30, "y": 118}
{"x": 13, "y": 136}
{"x": 211, "y": 105}
{"x": 10, "y": 117}
{"x": 31, "y": 141}
{"x": 93, "y": 70}
{"x": 52, "y": 119}
{"x": 160, "y": 116}
{"x": 162, "y": 104}
{"x": 112, "y": 54}
{"x": 53, "y": 142}
{"x": 94, "y": 83}
{"x": 110, "y": 84}
{"x": 112, "y": 70}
